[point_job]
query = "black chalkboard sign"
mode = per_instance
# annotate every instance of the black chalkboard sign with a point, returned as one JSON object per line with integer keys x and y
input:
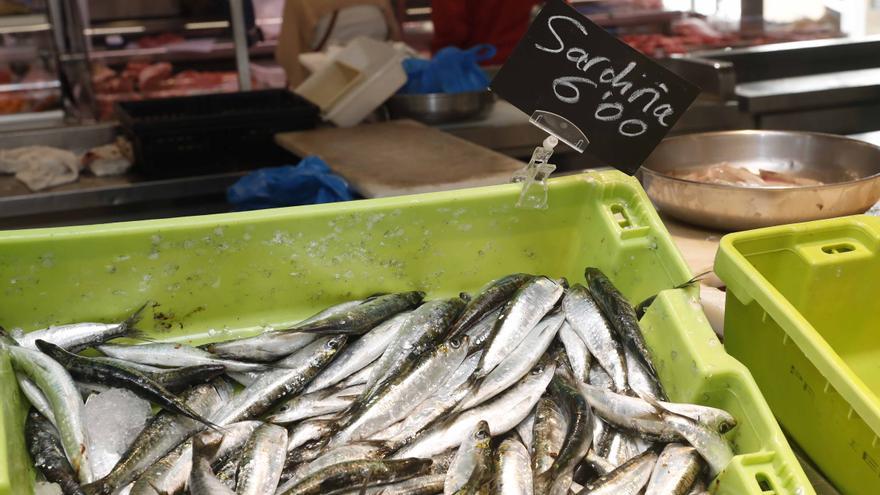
{"x": 590, "y": 89}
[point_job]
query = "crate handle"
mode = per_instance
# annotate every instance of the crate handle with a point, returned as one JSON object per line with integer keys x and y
{"x": 843, "y": 247}
{"x": 625, "y": 222}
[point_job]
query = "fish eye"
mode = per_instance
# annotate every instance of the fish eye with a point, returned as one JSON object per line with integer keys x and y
{"x": 537, "y": 370}
{"x": 333, "y": 344}
{"x": 455, "y": 343}
{"x": 482, "y": 434}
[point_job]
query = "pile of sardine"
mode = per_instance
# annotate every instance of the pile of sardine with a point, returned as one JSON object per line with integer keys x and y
{"x": 530, "y": 386}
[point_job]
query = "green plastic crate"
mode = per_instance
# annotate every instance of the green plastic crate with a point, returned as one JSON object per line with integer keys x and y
{"x": 803, "y": 317}
{"x": 231, "y": 275}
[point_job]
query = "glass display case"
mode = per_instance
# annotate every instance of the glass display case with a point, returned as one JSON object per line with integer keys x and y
{"x": 29, "y": 86}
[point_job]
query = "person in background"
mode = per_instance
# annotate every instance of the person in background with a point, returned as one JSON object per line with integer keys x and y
{"x": 313, "y": 25}
{"x": 465, "y": 23}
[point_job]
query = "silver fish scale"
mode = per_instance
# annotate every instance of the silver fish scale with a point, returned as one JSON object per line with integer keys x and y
{"x": 587, "y": 321}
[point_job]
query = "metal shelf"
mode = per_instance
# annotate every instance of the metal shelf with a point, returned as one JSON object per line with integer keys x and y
{"x": 25, "y": 23}
{"x": 220, "y": 50}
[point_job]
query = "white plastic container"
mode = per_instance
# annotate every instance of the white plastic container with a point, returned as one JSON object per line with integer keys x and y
{"x": 373, "y": 71}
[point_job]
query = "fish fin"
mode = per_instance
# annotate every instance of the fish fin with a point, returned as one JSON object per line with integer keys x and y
{"x": 139, "y": 335}
{"x": 661, "y": 409}
{"x": 696, "y": 278}
{"x": 99, "y": 487}
{"x": 643, "y": 306}
{"x": 214, "y": 426}
{"x": 348, "y": 396}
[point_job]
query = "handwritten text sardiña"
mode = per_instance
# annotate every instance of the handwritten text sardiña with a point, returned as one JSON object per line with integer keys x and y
{"x": 621, "y": 90}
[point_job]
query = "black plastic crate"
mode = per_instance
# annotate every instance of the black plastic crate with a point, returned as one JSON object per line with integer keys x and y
{"x": 195, "y": 135}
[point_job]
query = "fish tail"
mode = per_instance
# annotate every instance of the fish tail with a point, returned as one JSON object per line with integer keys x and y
{"x": 209, "y": 424}
{"x": 129, "y": 328}
{"x": 696, "y": 278}
{"x": 135, "y": 317}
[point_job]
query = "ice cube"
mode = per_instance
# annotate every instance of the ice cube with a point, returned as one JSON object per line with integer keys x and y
{"x": 46, "y": 488}
{"x": 113, "y": 419}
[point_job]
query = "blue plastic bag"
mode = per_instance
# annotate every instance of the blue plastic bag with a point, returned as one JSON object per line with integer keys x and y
{"x": 452, "y": 70}
{"x": 310, "y": 182}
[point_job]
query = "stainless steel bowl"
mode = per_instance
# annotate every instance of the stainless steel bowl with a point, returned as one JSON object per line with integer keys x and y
{"x": 849, "y": 169}
{"x": 441, "y": 108}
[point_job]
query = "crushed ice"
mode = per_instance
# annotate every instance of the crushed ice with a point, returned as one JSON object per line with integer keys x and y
{"x": 46, "y": 488}
{"x": 113, "y": 419}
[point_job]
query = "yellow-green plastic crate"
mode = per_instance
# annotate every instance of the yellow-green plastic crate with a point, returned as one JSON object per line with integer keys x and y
{"x": 803, "y": 314}
{"x": 230, "y": 275}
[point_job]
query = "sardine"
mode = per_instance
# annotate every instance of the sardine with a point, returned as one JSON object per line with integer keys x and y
{"x": 173, "y": 355}
{"x": 445, "y": 399}
{"x": 712, "y": 417}
{"x": 622, "y": 316}
{"x": 261, "y": 461}
{"x": 170, "y": 474}
{"x": 33, "y": 394}
{"x": 274, "y": 344}
{"x": 350, "y": 452}
{"x": 360, "y": 353}
{"x": 513, "y": 472}
{"x": 711, "y": 445}
{"x": 639, "y": 378}
{"x": 676, "y": 471}
{"x": 309, "y": 405}
{"x": 472, "y": 465}
{"x": 548, "y": 437}
{"x": 525, "y": 430}
{"x": 578, "y": 438}
{"x": 394, "y": 399}
{"x": 430, "y": 484}
{"x": 579, "y": 357}
{"x": 620, "y": 446}
{"x": 359, "y": 378}
{"x": 599, "y": 464}
{"x": 91, "y": 370}
{"x": 699, "y": 488}
{"x": 267, "y": 347}
{"x": 363, "y": 317}
{"x": 630, "y": 413}
{"x": 628, "y": 479}
{"x": 178, "y": 379}
{"x": 585, "y": 318}
{"x": 503, "y": 413}
{"x": 518, "y": 362}
{"x": 48, "y": 454}
{"x": 78, "y": 336}
{"x": 308, "y": 452}
{"x": 425, "y": 326}
{"x": 174, "y": 379}
{"x": 60, "y": 391}
{"x": 359, "y": 474}
{"x": 202, "y": 480}
{"x": 491, "y": 297}
{"x": 273, "y": 386}
{"x": 163, "y": 433}
{"x": 530, "y": 303}
{"x": 307, "y": 431}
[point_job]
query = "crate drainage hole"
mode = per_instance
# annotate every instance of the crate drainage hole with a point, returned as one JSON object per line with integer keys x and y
{"x": 764, "y": 483}
{"x": 838, "y": 248}
{"x": 619, "y": 214}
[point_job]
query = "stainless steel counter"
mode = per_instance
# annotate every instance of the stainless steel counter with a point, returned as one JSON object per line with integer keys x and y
{"x": 95, "y": 199}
